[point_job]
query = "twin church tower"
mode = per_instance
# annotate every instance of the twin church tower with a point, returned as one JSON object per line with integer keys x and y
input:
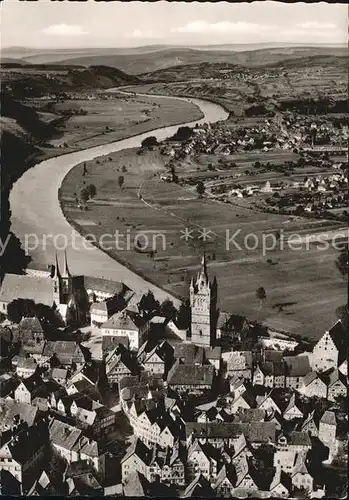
{"x": 203, "y": 304}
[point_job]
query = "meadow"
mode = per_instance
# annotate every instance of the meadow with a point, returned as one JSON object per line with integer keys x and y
{"x": 302, "y": 284}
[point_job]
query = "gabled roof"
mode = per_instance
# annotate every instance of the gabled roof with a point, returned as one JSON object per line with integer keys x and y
{"x": 334, "y": 376}
{"x": 191, "y": 375}
{"x": 104, "y": 286}
{"x": 67, "y": 351}
{"x": 32, "y": 325}
{"x": 111, "y": 341}
{"x": 64, "y": 435}
{"x": 140, "y": 449}
{"x": 199, "y": 487}
{"x": 328, "y": 418}
{"x": 121, "y": 321}
{"x": 136, "y": 485}
{"x": 10, "y": 408}
{"x": 297, "y": 366}
{"x": 16, "y": 286}
{"x": 299, "y": 438}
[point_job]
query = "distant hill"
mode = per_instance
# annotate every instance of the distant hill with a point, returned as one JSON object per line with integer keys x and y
{"x": 36, "y": 80}
{"x": 148, "y": 59}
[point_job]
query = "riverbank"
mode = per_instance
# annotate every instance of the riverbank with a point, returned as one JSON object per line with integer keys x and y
{"x": 43, "y": 216}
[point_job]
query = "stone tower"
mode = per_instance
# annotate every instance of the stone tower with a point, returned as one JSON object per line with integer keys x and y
{"x": 203, "y": 301}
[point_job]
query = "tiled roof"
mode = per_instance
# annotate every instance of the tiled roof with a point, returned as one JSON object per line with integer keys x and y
{"x": 67, "y": 351}
{"x": 16, "y": 286}
{"x": 111, "y": 341}
{"x": 104, "y": 286}
{"x": 238, "y": 360}
{"x": 191, "y": 375}
{"x": 64, "y": 435}
{"x": 121, "y": 321}
{"x": 328, "y": 418}
{"x": 297, "y": 366}
{"x": 31, "y": 325}
{"x": 299, "y": 438}
{"x": 213, "y": 352}
{"x": 10, "y": 408}
{"x": 261, "y": 433}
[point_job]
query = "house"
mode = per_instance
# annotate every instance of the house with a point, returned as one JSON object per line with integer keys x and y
{"x": 280, "y": 485}
{"x": 301, "y": 479}
{"x": 264, "y": 374}
{"x": 328, "y": 432}
{"x": 137, "y": 459}
{"x": 65, "y": 353}
{"x": 13, "y": 412}
{"x": 336, "y": 385}
{"x": 109, "y": 342}
{"x": 118, "y": 364}
{"x": 191, "y": 378}
{"x": 30, "y": 330}
{"x": 314, "y": 385}
{"x": 269, "y": 402}
{"x": 17, "y": 286}
{"x": 293, "y": 409}
{"x": 136, "y": 485}
{"x": 199, "y": 487}
{"x": 244, "y": 476}
{"x": 238, "y": 364}
{"x": 237, "y": 386}
{"x": 100, "y": 312}
{"x": 213, "y": 355}
{"x": 309, "y": 425}
{"x": 28, "y": 389}
{"x": 26, "y": 367}
{"x": 60, "y": 375}
{"x": 202, "y": 459}
{"x": 158, "y": 359}
{"x": 23, "y": 454}
{"x": 173, "y": 467}
{"x": 100, "y": 289}
{"x": 126, "y": 324}
{"x": 225, "y": 481}
{"x": 43, "y": 486}
{"x": 296, "y": 368}
{"x": 331, "y": 350}
{"x": 221, "y": 434}
{"x": 189, "y": 354}
{"x": 242, "y": 401}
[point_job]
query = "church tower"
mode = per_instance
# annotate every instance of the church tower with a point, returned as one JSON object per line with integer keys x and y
{"x": 203, "y": 302}
{"x": 62, "y": 283}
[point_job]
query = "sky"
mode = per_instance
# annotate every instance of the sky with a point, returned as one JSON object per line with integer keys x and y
{"x": 47, "y": 24}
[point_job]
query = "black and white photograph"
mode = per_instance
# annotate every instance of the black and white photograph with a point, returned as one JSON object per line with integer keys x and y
{"x": 174, "y": 249}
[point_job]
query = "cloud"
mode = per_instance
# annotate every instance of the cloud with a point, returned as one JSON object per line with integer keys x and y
{"x": 142, "y": 34}
{"x": 314, "y": 25}
{"x": 65, "y": 30}
{"x": 220, "y": 27}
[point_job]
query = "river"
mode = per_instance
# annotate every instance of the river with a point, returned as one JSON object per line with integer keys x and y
{"x": 37, "y": 218}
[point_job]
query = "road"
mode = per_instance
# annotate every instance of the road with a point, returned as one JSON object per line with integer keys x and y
{"x": 37, "y": 219}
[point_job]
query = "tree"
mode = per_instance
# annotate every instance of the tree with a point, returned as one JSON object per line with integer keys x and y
{"x": 261, "y": 296}
{"x": 149, "y": 142}
{"x": 148, "y": 305}
{"x": 174, "y": 176}
{"x": 84, "y": 169}
{"x": 92, "y": 190}
{"x": 167, "y": 309}
{"x": 121, "y": 180}
{"x": 342, "y": 262}
{"x": 184, "y": 315}
{"x": 200, "y": 188}
{"x": 84, "y": 195}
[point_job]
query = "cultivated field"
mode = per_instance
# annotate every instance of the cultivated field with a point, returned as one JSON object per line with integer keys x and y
{"x": 114, "y": 119}
{"x": 302, "y": 284}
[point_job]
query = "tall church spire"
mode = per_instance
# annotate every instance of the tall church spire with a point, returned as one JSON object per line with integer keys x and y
{"x": 56, "y": 274}
{"x": 203, "y": 276}
{"x": 66, "y": 272}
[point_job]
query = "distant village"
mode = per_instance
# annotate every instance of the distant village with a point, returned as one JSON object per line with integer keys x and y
{"x": 104, "y": 391}
{"x": 321, "y": 149}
